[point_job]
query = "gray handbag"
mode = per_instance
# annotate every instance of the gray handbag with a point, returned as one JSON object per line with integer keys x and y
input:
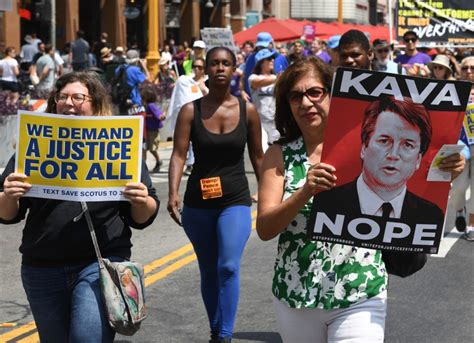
{"x": 122, "y": 286}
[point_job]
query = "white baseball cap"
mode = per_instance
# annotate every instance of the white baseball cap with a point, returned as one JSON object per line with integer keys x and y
{"x": 199, "y": 44}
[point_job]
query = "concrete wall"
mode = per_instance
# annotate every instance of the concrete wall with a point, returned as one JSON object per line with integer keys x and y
{"x": 8, "y": 130}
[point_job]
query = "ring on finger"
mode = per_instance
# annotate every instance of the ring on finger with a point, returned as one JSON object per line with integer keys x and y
{"x": 317, "y": 179}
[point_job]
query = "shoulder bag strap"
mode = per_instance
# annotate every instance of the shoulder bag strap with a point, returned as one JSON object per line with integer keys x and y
{"x": 85, "y": 211}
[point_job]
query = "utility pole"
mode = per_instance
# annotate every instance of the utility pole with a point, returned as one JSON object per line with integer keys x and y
{"x": 339, "y": 11}
{"x": 153, "y": 37}
{"x": 53, "y": 23}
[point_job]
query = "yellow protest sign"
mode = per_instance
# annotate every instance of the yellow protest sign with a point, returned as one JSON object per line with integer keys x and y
{"x": 469, "y": 123}
{"x": 79, "y": 158}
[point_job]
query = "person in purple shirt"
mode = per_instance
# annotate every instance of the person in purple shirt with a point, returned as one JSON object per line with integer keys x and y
{"x": 153, "y": 123}
{"x": 297, "y": 51}
{"x": 412, "y": 55}
{"x": 316, "y": 49}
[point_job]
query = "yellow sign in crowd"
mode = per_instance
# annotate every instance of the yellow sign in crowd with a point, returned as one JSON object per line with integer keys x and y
{"x": 79, "y": 158}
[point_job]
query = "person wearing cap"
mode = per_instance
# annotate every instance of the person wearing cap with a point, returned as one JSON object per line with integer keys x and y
{"x": 333, "y": 50}
{"x": 440, "y": 68}
{"x": 166, "y": 52}
{"x": 297, "y": 51}
{"x": 106, "y": 57}
{"x": 27, "y": 52}
{"x": 199, "y": 50}
{"x": 165, "y": 77}
{"x": 382, "y": 62}
{"x": 280, "y": 63}
{"x": 262, "y": 82}
{"x": 137, "y": 73}
{"x": 119, "y": 57}
{"x": 318, "y": 51}
{"x": 412, "y": 55}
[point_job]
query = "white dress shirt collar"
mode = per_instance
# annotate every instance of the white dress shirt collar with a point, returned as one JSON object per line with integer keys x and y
{"x": 371, "y": 203}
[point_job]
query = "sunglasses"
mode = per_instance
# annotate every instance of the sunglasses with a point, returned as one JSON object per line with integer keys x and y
{"x": 314, "y": 94}
{"x": 198, "y": 67}
{"x": 412, "y": 40}
{"x": 438, "y": 67}
{"x": 466, "y": 68}
{"x": 382, "y": 50}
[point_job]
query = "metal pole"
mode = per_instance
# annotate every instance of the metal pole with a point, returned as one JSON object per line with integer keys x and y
{"x": 390, "y": 20}
{"x": 339, "y": 12}
{"x": 53, "y": 23}
{"x": 390, "y": 25}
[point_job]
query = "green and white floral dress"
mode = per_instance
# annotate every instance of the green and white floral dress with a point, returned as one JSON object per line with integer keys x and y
{"x": 320, "y": 274}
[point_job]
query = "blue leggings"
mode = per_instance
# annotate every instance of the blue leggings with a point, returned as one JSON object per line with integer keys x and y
{"x": 218, "y": 237}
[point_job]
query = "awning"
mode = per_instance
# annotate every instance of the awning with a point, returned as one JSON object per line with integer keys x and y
{"x": 290, "y": 29}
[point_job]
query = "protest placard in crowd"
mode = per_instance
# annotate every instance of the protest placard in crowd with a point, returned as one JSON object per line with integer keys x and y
{"x": 469, "y": 123}
{"x": 218, "y": 36}
{"x": 443, "y": 21}
{"x": 78, "y": 158}
{"x": 382, "y": 135}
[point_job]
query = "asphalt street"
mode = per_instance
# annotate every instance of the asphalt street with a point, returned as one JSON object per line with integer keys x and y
{"x": 433, "y": 306}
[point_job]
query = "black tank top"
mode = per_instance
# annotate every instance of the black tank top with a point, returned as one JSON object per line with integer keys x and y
{"x": 218, "y": 178}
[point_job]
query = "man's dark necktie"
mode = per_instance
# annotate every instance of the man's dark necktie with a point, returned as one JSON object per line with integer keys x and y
{"x": 386, "y": 209}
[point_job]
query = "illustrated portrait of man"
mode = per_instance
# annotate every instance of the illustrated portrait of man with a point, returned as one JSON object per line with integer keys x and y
{"x": 395, "y": 135}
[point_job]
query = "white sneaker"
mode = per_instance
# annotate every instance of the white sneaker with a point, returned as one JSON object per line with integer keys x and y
{"x": 469, "y": 233}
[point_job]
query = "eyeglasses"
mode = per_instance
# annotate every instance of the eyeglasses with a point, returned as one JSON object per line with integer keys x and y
{"x": 198, "y": 67}
{"x": 382, "y": 50}
{"x": 466, "y": 68}
{"x": 412, "y": 40}
{"x": 314, "y": 94}
{"x": 77, "y": 98}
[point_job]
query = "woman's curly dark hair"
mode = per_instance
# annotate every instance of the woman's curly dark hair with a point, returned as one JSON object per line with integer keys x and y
{"x": 284, "y": 121}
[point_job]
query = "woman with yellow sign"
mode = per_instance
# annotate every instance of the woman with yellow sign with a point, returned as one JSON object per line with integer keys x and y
{"x": 59, "y": 270}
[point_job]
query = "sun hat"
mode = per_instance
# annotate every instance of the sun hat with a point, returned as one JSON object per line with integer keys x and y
{"x": 164, "y": 60}
{"x": 263, "y": 54}
{"x": 264, "y": 39}
{"x": 119, "y": 49}
{"x": 333, "y": 41}
{"x": 199, "y": 44}
{"x": 105, "y": 51}
{"x": 28, "y": 39}
{"x": 441, "y": 60}
{"x": 132, "y": 56}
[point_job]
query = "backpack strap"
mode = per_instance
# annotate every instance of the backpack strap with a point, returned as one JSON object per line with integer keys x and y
{"x": 123, "y": 69}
